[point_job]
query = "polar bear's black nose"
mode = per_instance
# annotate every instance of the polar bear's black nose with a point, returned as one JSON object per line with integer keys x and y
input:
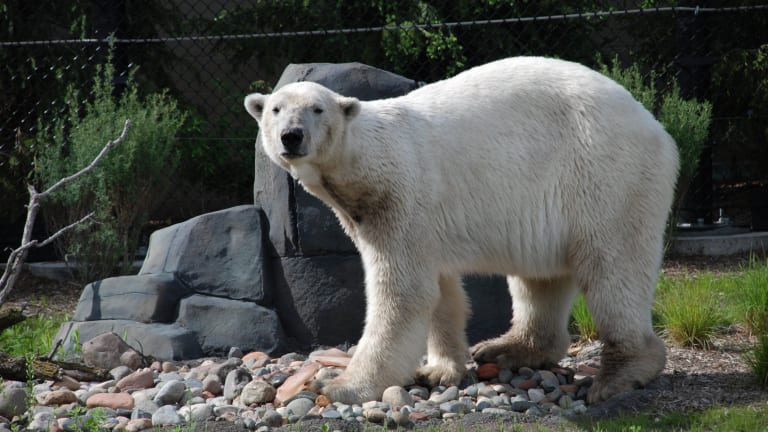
{"x": 292, "y": 139}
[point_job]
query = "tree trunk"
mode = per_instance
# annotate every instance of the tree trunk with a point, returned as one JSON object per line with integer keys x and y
{"x": 17, "y": 368}
{"x": 10, "y": 317}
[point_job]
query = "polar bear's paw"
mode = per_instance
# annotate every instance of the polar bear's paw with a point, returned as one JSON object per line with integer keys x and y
{"x": 340, "y": 390}
{"x": 439, "y": 374}
{"x": 626, "y": 366}
{"x": 603, "y": 389}
{"x": 510, "y": 354}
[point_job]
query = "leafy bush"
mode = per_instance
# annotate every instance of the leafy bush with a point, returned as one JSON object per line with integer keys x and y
{"x": 126, "y": 186}
{"x": 631, "y": 78}
{"x": 687, "y": 121}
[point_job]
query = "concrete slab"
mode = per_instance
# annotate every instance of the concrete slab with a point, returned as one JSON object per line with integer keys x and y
{"x": 719, "y": 245}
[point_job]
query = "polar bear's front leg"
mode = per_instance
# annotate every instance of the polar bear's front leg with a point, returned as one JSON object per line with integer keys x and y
{"x": 400, "y": 297}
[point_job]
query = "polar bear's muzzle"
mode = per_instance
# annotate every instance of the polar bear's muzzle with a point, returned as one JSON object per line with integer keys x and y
{"x": 293, "y": 143}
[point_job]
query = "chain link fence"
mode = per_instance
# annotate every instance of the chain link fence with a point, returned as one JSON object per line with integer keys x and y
{"x": 209, "y": 54}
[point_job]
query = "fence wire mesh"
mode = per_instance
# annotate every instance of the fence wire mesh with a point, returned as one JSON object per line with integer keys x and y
{"x": 210, "y": 53}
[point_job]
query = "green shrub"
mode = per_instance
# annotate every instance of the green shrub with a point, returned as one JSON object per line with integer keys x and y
{"x": 631, "y": 78}
{"x": 128, "y": 183}
{"x": 687, "y": 310}
{"x": 687, "y": 121}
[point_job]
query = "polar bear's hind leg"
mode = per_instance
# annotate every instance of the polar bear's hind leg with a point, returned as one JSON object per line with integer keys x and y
{"x": 620, "y": 302}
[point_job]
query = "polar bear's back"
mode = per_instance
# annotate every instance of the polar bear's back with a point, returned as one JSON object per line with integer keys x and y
{"x": 539, "y": 148}
{"x": 539, "y": 116}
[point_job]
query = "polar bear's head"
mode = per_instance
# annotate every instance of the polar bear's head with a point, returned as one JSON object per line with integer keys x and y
{"x": 302, "y": 122}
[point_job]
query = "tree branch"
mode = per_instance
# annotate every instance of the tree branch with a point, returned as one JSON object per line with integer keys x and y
{"x": 90, "y": 166}
{"x": 18, "y": 255}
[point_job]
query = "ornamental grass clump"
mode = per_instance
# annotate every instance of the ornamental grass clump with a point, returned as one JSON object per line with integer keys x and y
{"x": 752, "y": 289}
{"x": 757, "y": 359}
{"x": 687, "y": 310}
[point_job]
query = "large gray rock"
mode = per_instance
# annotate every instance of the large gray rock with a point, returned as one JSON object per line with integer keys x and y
{"x": 321, "y": 299}
{"x": 299, "y": 223}
{"x": 144, "y": 298}
{"x": 13, "y": 401}
{"x": 104, "y": 351}
{"x": 221, "y": 323}
{"x": 161, "y": 341}
{"x": 219, "y": 253}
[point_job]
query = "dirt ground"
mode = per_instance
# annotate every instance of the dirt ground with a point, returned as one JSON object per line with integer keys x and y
{"x": 693, "y": 379}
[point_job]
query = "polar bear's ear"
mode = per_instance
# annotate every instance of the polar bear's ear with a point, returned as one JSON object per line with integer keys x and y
{"x": 349, "y": 106}
{"x": 254, "y": 104}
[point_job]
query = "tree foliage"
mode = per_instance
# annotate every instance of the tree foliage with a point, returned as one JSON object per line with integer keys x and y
{"x": 129, "y": 183}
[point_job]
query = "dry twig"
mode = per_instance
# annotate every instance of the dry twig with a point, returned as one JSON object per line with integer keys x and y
{"x": 18, "y": 255}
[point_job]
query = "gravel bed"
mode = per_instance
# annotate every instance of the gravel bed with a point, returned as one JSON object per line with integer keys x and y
{"x": 256, "y": 392}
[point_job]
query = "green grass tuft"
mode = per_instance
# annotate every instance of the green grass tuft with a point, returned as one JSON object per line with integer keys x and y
{"x": 581, "y": 320}
{"x": 720, "y": 419}
{"x": 32, "y": 336}
{"x": 689, "y": 310}
{"x": 757, "y": 359}
{"x": 752, "y": 287}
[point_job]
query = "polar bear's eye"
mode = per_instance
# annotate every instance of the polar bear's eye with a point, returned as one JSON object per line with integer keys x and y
{"x": 275, "y": 110}
{"x": 318, "y": 110}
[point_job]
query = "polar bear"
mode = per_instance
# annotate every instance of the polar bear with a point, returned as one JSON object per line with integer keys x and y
{"x": 535, "y": 168}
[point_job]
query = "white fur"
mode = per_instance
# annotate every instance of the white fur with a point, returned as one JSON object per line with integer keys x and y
{"x": 536, "y": 168}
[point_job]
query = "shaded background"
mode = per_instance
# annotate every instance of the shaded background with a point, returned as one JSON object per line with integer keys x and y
{"x": 209, "y": 54}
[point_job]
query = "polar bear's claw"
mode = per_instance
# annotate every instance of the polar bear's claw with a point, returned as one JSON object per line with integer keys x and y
{"x": 339, "y": 390}
{"x": 509, "y": 354}
{"x": 439, "y": 375}
{"x": 487, "y": 351}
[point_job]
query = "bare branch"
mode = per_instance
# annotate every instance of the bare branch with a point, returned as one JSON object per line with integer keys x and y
{"x": 58, "y": 233}
{"x": 91, "y": 165}
{"x": 17, "y": 256}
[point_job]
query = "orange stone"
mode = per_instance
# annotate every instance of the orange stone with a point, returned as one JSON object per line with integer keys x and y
{"x": 569, "y": 388}
{"x": 110, "y": 400}
{"x": 141, "y": 379}
{"x": 589, "y": 370}
{"x": 322, "y": 401}
{"x": 487, "y": 371}
{"x": 331, "y": 352}
{"x": 256, "y": 355}
{"x": 332, "y": 361}
{"x": 528, "y": 384}
{"x": 295, "y": 383}
{"x": 417, "y": 416}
